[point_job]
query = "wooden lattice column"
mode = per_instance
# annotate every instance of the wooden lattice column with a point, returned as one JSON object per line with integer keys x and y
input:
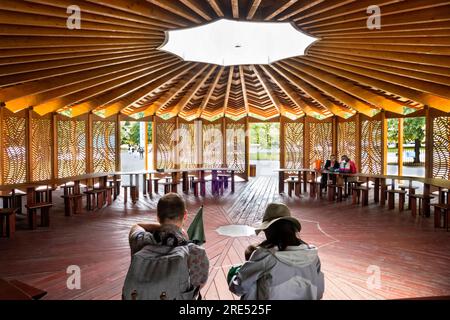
{"x": 348, "y": 132}
{"x": 334, "y": 148}
{"x": 306, "y": 142}
{"x": 247, "y": 149}
{"x": 154, "y": 145}
{"x": 2, "y": 107}
{"x": 358, "y": 141}
{"x": 400, "y": 146}
{"x": 89, "y": 143}
{"x": 54, "y": 133}
{"x": 118, "y": 143}
{"x": 384, "y": 136}
{"x": 28, "y": 147}
{"x": 224, "y": 142}
{"x": 282, "y": 144}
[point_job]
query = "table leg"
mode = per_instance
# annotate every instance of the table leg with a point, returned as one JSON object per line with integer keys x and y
{"x": 281, "y": 182}
{"x": 232, "y": 181}
{"x": 376, "y": 190}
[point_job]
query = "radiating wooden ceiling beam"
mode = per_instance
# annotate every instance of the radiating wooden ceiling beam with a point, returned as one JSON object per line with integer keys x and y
{"x": 281, "y": 6}
{"x": 253, "y": 7}
{"x": 298, "y": 8}
{"x": 313, "y": 93}
{"x": 424, "y": 59}
{"x": 145, "y": 9}
{"x": 199, "y": 82}
{"x": 336, "y": 92}
{"x": 108, "y": 98}
{"x": 377, "y": 100}
{"x": 413, "y": 84}
{"x": 208, "y": 95}
{"x": 28, "y": 90}
{"x": 244, "y": 88}
{"x": 94, "y": 12}
{"x": 290, "y": 93}
{"x": 199, "y": 8}
{"x": 54, "y": 100}
{"x": 216, "y": 7}
{"x": 176, "y": 8}
{"x": 76, "y": 70}
{"x": 85, "y": 93}
{"x": 269, "y": 91}
{"x": 228, "y": 90}
{"x": 434, "y": 74}
{"x": 137, "y": 95}
{"x": 174, "y": 90}
{"x": 235, "y": 8}
{"x": 380, "y": 81}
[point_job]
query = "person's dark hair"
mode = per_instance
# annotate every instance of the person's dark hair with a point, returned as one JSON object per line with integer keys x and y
{"x": 281, "y": 234}
{"x": 170, "y": 207}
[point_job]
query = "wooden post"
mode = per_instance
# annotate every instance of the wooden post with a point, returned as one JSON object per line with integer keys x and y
{"x": 334, "y": 148}
{"x": 224, "y": 142}
{"x": 199, "y": 143}
{"x": 154, "y": 144}
{"x": 428, "y": 143}
{"x": 357, "y": 142}
{"x": 383, "y": 142}
{"x": 28, "y": 136}
{"x": 146, "y": 146}
{"x": 400, "y": 145}
{"x": 306, "y": 140}
{"x": 247, "y": 149}
{"x": 282, "y": 143}
{"x": 89, "y": 144}
{"x": 118, "y": 142}
{"x": 177, "y": 143}
{"x": 2, "y": 106}
{"x": 54, "y": 146}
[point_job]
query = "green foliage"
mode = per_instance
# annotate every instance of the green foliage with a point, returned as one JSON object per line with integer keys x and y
{"x": 414, "y": 129}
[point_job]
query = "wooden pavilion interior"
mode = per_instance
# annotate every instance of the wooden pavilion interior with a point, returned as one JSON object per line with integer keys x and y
{"x": 65, "y": 91}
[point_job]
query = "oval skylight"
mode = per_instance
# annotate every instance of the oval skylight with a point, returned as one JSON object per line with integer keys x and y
{"x": 229, "y": 42}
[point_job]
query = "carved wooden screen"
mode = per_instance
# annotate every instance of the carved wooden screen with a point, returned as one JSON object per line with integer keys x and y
{"x": 187, "y": 148}
{"x": 235, "y": 140}
{"x": 293, "y": 141}
{"x": 165, "y": 145}
{"x": 104, "y": 146}
{"x": 14, "y": 155}
{"x": 212, "y": 145}
{"x": 41, "y": 149}
{"x": 441, "y": 147}
{"x": 71, "y": 147}
{"x": 371, "y": 147}
{"x": 320, "y": 141}
{"x": 346, "y": 144}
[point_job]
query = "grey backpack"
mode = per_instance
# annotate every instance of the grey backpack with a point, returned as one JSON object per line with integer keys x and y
{"x": 159, "y": 273}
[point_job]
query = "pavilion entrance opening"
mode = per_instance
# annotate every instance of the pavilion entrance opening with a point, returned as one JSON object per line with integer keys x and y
{"x": 265, "y": 147}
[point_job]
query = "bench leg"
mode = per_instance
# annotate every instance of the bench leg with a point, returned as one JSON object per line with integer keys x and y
{"x": 401, "y": 202}
{"x": 331, "y": 193}
{"x": 10, "y": 225}
{"x": 437, "y": 217}
{"x": 45, "y": 217}
{"x": 354, "y": 196}
{"x": 391, "y": 199}
{"x": 413, "y": 207}
{"x": 365, "y": 198}
{"x": 32, "y": 219}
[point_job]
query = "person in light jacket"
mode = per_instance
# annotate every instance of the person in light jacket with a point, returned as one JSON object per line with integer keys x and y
{"x": 283, "y": 267}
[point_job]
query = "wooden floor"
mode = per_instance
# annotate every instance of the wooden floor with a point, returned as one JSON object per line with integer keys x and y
{"x": 413, "y": 257}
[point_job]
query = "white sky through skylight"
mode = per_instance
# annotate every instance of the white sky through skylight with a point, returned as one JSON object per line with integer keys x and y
{"x": 228, "y": 42}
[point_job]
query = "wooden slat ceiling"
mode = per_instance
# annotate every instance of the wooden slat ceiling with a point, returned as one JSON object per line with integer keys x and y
{"x": 112, "y": 63}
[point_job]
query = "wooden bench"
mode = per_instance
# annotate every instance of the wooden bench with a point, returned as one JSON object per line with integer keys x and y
{"x": 8, "y": 222}
{"x": 359, "y": 190}
{"x": 116, "y": 185}
{"x": 132, "y": 193}
{"x": 95, "y": 198}
{"x": 199, "y": 187}
{"x": 413, "y": 197}
{"x": 391, "y": 199}
{"x": 72, "y": 203}
{"x": 335, "y": 192}
{"x": 411, "y": 190}
{"x": 441, "y": 210}
{"x": 294, "y": 184}
{"x": 32, "y": 214}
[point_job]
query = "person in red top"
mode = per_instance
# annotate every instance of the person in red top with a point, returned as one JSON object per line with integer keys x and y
{"x": 347, "y": 165}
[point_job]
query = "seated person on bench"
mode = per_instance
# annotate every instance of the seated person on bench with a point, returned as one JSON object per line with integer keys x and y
{"x": 332, "y": 165}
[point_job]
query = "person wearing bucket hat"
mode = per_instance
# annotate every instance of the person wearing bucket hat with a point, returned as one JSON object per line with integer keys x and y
{"x": 282, "y": 267}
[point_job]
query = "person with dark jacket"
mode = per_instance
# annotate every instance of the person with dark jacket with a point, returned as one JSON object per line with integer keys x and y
{"x": 330, "y": 165}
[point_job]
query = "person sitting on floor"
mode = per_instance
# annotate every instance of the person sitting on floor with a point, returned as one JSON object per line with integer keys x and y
{"x": 283, "y": 267}
{"x": 165, "y": 264}
{"x": 330, "y": 165}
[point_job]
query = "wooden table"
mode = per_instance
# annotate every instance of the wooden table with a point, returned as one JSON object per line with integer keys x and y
{"x": 302, "y": 176}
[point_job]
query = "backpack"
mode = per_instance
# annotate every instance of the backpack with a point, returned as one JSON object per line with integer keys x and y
{"x": 159, "y": 273}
